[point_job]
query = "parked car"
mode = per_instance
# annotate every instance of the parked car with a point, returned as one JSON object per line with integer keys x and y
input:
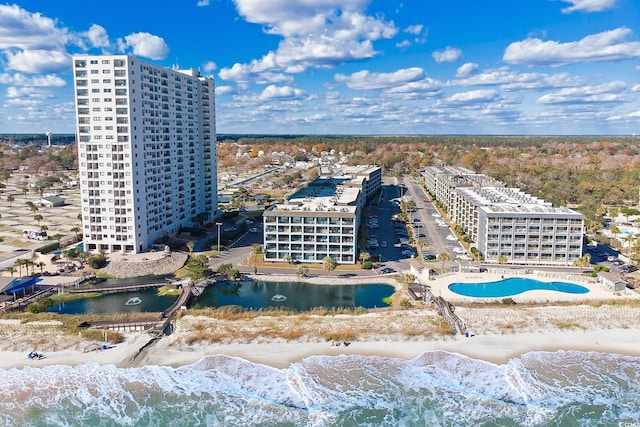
{"x": 628, "y": 268}
{"x": 429, "y": 257}
{"x": 387, "y": 270}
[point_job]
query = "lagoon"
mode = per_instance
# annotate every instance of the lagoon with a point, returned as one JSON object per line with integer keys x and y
{"x": 255, "y": 295}
{"x": 249, "y": 294}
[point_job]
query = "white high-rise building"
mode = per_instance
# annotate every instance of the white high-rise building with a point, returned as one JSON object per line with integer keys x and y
{"x": 147, "y": 151}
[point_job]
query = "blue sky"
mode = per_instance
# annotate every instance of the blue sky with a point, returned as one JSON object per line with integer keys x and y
{"x": 346, "y": 66}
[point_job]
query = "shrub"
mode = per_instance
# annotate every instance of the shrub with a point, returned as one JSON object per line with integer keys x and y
{"x": 367, "y": 265}
{"x": 97, "y": 261}
{"x": 48, "y": 248}
{"x": 508, "y": 301}
{"x": 40, "y": 306}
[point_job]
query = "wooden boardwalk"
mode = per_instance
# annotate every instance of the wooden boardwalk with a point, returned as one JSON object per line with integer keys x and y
{"x": 422, "y": 292}
{"x": 116, "y": 289}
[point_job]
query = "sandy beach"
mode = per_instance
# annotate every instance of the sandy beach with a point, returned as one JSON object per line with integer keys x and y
{"x": 496, "y": 334}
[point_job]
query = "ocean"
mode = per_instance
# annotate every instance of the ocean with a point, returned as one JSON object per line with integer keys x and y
{"x": 435, "y": 389}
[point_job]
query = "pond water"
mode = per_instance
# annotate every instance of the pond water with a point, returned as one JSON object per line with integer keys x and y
{"x": 296, "y": 295}
{"x": 251, "y": 295}
{"x": 117, "y": 303}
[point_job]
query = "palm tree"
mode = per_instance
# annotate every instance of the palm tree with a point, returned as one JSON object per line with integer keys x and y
{"x": 502, "y": 259}
{"x": 41, "y": 265}
{"x": 364, "y": 256}
{"x": 420, "y": 246}
{"x": 76, "y": 230}
{"x": 11, "y": 270}
{"x": 32, "y": 207}
{"x": 583, "y": 261}
{"x": 38, "y": 218}
{"x": 190, "y": 245}
{"x": 328, "y": 263}
{"x": 444, "y": 257}
{"x": 302, "y": 271}
{"x": 20, "y": 262}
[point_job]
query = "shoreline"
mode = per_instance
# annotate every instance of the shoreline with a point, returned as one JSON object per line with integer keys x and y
{"x": 497, "y": 349}
{"x": 497, "y": 334}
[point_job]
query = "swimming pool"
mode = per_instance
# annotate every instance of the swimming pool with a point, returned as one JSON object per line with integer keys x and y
{"x": 513, "y": 286}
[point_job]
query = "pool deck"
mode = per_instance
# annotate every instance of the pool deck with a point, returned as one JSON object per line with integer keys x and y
{"x": 440, "y": 287}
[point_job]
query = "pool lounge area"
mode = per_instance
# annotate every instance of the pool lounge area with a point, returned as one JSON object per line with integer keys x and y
{"x": 521, "y": 288}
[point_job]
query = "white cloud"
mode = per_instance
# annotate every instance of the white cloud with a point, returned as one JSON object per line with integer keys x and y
{"x": 511, "y": 80}
{"x": 272, "y": 92}
{"x": 365, "y": 80}
{"x": 449, "y": 54}
{"x": 98, "y": 36}
{"x": 244, "y": 74}
{"x": 589, "y": 5}
{"x": 38, "y": 61}
{"x": 25, "y": 30}
{"x": 466, "y": 70}
{"x": 605, "y": 46}
{"x": 202, "y": 3}
{"x": 403, "y": 44}
{"x": 209, "y": 66}
{"x": 315, "y": 33}
{"x": 19, "y": 79}
{"x": 28, "y": 92}
{"x": 223, "y": 90}
{"x": 471, "y": 97}
{"x": 608, "y": 92}
{"x": 145, "y": 44}
{"x": 414, "y": 29}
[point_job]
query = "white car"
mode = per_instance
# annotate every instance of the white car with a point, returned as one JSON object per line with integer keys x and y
{"x": 458, "y": 250}
{"x": 452, "y": 238}
{"x": 464, "y": 257}
{"x": 435, "y": 215}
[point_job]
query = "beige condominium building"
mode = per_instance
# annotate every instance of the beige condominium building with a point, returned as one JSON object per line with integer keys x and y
{"x": 506, "y": 224}
{"x": 321, "y": 219}
{"x": 147, "y": 151}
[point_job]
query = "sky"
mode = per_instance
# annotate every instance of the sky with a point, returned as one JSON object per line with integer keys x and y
{"x": 358, "y": 67}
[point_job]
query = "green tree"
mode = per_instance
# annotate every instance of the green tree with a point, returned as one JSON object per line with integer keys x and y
{"x": 364, "y": 256}
{"x": 76, "y": 231}
{"x": 224, "y": 268}
{"x": 38, "y": 218}
{"x": 233, "y": 274}
{"x": 19, "y": 263}
{"x": 329, "y": 264}
{"x": 190, "y": 245}
{"x": 41, "y": 264}
{"x": 444, "y": 257}
{"x": 11, "y": 270}
{"x": 256, "y": 248}
{"x": 302, "y": 271}
{"x": 97, "y": 261}
{"x": 583, "y": 261}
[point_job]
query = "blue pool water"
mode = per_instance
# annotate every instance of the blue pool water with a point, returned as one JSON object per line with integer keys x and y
{"x": 513, "y": 286}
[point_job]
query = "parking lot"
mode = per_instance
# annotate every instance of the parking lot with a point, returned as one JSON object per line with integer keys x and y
{"x": 390, "y": 239}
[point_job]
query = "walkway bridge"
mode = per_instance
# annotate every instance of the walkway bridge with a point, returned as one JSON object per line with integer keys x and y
{"x": 446, "y": 308}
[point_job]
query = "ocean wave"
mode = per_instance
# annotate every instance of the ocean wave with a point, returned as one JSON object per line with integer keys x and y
{"x": 435, "y": 388}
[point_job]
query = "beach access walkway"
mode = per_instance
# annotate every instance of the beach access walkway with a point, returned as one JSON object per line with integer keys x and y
{"x": 421, "y": 291}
